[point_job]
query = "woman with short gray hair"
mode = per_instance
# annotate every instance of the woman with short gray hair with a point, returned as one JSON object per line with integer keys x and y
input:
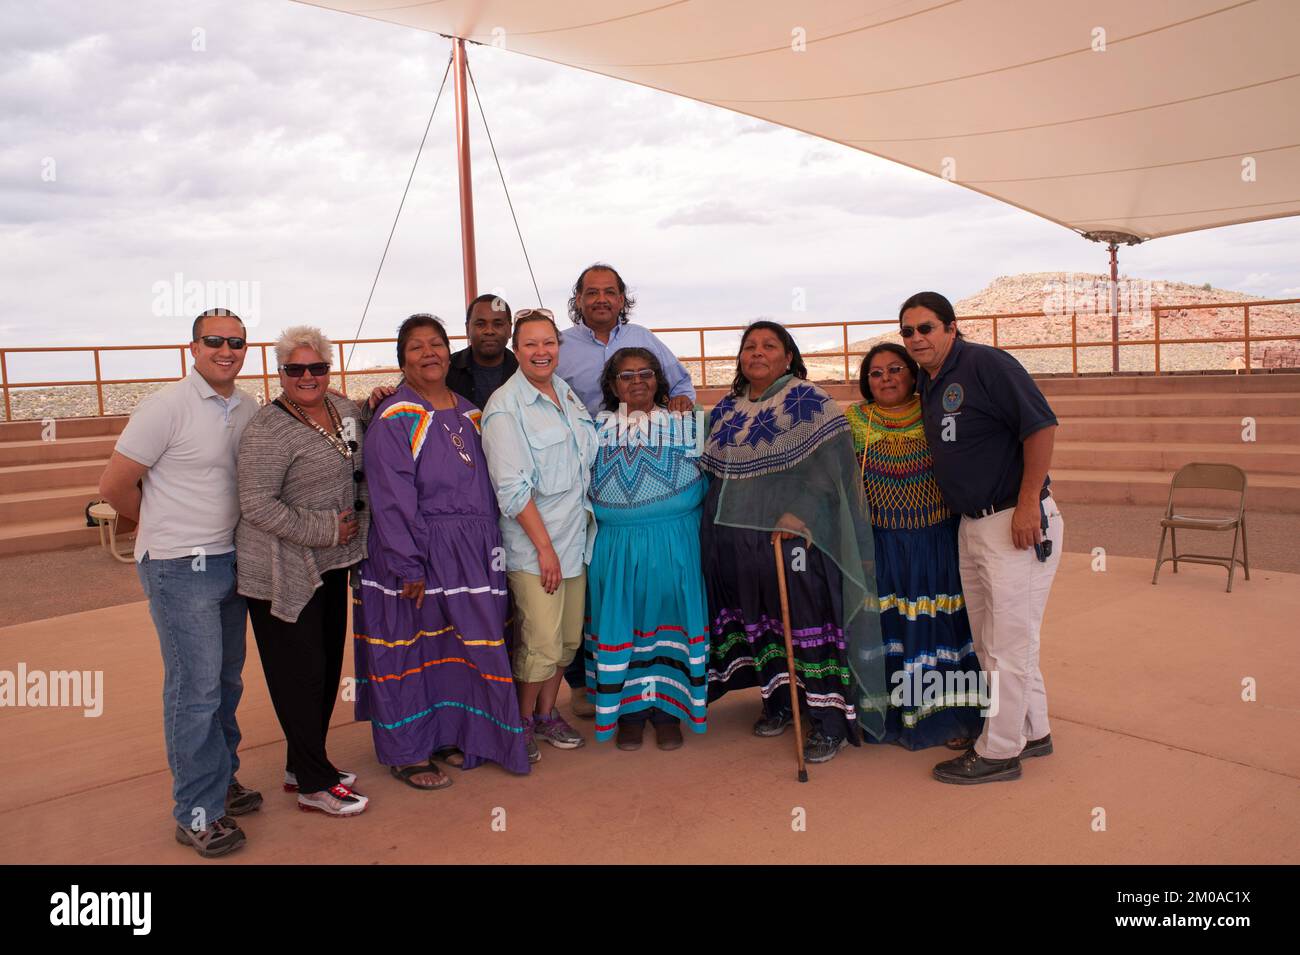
{"x": 303, "y": 526}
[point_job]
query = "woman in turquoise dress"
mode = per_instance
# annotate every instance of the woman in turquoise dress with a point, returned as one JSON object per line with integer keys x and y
{"x": 647, "y": 635}
{"x": 932, "y": 667}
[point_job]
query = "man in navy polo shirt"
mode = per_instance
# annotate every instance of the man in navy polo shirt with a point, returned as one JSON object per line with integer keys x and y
{"x": 991, "y": 432}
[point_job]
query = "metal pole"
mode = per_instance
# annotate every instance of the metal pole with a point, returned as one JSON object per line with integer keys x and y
{"x": 1114, "y": 307}
{"x": 463, "y": 166}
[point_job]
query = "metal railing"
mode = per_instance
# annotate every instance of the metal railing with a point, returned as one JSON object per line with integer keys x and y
{"x": 702, "y": 360}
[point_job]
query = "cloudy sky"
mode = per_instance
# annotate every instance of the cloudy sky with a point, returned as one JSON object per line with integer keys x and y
{"x": 276, "y": 152}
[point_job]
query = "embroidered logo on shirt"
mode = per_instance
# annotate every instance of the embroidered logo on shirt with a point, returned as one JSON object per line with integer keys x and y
{"x": 953, "y": 396}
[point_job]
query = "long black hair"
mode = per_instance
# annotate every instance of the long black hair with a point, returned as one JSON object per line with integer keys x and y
{"x": 629, "y": 300}
{"x": 893, "y": 348}
{"x": 797, "y": 367}
{"x": 935, "y": 303}
{"x": 608, "y": 376}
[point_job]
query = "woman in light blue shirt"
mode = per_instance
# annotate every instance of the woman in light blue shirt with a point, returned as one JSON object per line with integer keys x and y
{"x": 540, "y": 443}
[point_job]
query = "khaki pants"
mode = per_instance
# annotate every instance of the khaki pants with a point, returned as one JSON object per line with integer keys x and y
{"x": 1006, "y": 592}
{"x": 548, "y": 627}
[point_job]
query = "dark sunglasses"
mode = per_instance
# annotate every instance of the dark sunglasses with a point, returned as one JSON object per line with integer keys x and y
{"x": 318, "y": 369}
{"x": 237, "y": 342}
{"x": 925, "y": 328}
{"x": 892, "y": 369}
{"x": 645, "y": 374}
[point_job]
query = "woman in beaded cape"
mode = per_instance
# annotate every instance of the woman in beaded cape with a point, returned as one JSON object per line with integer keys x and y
{"x": 781, "y": 460}
{"x": 923, "y": 621}
{"x": 433, "y": 674}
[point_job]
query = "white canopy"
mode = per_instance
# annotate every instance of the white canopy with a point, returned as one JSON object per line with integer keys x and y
{"x": 1146, "y": 117}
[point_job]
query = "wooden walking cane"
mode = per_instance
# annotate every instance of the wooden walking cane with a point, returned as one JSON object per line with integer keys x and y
{"x": 789, "y": 655}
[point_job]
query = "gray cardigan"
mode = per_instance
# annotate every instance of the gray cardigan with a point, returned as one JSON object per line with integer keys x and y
{"x": 292, "y": 485}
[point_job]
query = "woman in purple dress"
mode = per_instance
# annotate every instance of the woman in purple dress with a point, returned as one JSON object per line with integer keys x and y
{"x": 432, "y": 669}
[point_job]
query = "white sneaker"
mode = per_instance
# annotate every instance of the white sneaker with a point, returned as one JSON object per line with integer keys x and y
{"x": 291, "y": 781}
{"x": 338, "y": 801}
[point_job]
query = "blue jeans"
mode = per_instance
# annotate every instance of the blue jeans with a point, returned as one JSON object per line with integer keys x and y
{"x": 201, "y": 622}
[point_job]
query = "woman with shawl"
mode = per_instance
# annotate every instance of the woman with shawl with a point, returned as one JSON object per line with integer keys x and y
{"x": 781, "y": 457}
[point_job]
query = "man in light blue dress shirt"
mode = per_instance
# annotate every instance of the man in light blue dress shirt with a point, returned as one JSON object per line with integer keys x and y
{"x": 599, "y": 308}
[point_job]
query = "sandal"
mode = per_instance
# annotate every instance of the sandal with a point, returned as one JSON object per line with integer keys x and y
{"x": 960, "y": 743}
{"x": 406, "y": 773}
{"x": 449, "y": 755}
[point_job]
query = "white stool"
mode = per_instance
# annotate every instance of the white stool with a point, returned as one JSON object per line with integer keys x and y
{"x": 105, "y": 516}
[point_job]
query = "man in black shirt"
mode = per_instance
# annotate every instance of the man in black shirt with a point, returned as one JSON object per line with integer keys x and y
{"x": 484, "y": 366}
{"x": 991, "y": 432}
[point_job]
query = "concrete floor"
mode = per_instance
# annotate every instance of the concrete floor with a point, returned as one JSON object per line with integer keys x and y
{"x": 1148, "y": 719}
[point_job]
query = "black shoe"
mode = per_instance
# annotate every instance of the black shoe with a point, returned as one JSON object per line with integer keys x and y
{"x": 240, "y": 801}
{"x": 1037, "y": 747}
{"x": 971, "y": 768}
{"x": 822, "y": 749}
{"x": 773, "y": 725}
{"x": 219, "y": 838}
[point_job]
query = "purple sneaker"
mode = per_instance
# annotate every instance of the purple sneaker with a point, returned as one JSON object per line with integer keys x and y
{"x": 557, "y": 732}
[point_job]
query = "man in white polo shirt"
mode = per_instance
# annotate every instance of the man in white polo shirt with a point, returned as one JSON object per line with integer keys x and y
{"x": 173, "y": 471}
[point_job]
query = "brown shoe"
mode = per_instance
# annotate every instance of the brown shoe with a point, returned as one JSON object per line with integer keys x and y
{"x": 216, "y": 840}
{"x": 629, "y": 735}
{"x": 669, "y": 735}
{"x": 580, "y": 704}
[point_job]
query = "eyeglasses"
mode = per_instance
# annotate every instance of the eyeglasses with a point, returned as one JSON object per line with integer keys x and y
{"x": 925, "y": 328}
{"x": 892, "y": 369}
{"x": 642, "y": 374}
{"x": 237, "y": 342}
{"x": 530, "y": 312}
{"x": 318, "y": 369}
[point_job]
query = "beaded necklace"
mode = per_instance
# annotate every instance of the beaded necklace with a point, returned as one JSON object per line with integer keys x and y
{"x": 336, "y": 440}
{"x": 458, "y": 442}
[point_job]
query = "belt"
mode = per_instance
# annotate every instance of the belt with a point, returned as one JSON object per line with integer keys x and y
{"x": 1004, "y": 505}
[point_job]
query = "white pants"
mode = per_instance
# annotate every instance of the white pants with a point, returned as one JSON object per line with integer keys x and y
{"x": 1006, "y": 592}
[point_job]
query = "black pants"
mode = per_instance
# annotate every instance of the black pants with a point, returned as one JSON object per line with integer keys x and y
{"x": 576, "y": 673}
{"x": 302, "y": 662}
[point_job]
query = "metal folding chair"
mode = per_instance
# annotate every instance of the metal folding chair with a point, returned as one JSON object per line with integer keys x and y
{"x": 1218, "y": 477}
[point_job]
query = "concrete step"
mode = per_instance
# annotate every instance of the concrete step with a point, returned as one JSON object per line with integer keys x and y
{"x": 90, "y": 448}
{"x": 1169, "y": 384}
{"x": 1168, "y": 456}
{"x": 63, "y": 428}
{"x": 57, "y": 474}
{"x": 1255, "y": 404}
{"x": 1218, "y": 429}
{"x": 46, "y": 504}
{"x": 29, "y": 537}
{"x": 1264, "y": 492}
